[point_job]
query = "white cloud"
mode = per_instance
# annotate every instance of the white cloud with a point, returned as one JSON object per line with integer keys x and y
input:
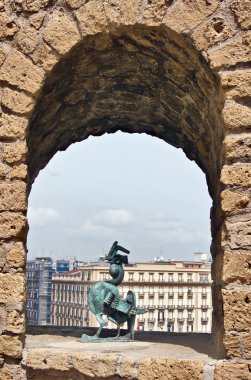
{"x": 114, "y": 218}
{"x": 41, "y": 216}
{"x": 123, "y": 224}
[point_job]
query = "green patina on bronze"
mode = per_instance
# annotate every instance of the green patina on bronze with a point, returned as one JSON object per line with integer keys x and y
{"x": 104, "y": 299}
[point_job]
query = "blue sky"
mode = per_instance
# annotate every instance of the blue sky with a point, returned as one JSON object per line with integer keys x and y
{"x": 132, "y": 188}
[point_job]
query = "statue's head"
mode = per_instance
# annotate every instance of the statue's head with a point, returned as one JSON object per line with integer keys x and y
{"x": 115, "y": 258}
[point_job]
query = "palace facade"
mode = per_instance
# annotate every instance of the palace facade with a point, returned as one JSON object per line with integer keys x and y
{"x": 177, "y": 295}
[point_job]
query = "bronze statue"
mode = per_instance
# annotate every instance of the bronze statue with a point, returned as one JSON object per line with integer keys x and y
{"x": 104, "y": 299}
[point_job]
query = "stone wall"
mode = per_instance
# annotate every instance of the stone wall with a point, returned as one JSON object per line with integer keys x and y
{"x": 178, "y": 70}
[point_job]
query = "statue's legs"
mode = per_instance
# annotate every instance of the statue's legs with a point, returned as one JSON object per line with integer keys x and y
{"x": 101, "y": 322}
{"x": 116, "y": 323}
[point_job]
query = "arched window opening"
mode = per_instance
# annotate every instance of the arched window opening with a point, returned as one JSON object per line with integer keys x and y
{"x": 142, "y": 192}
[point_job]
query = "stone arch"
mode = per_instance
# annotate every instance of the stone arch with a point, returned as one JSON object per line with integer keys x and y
{"x": 37, "y": 38}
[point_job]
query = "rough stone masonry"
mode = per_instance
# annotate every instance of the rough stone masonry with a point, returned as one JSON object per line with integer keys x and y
{"x": 176, "y": 69}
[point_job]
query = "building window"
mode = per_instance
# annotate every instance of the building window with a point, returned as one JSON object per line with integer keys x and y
{"x": 189, "y": 292}
{"x": 170, "y": 277}
{"x": 180, "y": 277}
{"x": 190, "y": 328}
{"x": 203, "y": 277}
{"x": 161, "y": 277}
{"x": 170, "y": 327}
{"x": 131, "y": 276}
{"x": 141, "y": 277}
{"x": 151, "y": 277}
{"x": 189, "y": 277}
{"x": 180, "y": 327}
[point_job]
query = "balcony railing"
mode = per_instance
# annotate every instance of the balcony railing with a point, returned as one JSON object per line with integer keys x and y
{"x": 151, "y": 320}
{"x": 170, "y": 319}
{"x": 204, "y": 295}
{"x": 189, "y": 295}
{"x": 190, "y": 306}
{"x": 204, "y": 319}
{"x": 170, "y": 306}
{"x": 161, "y": 306}
{"x": 151, "y": 306}
{"x": 203, "y": 307}
{"x": 170, "y": 294}
{"x": 190, "y": 319}
{"x": 181, "y": 306}
{"x": 180, "y": 295}
{"x": 181, "y": 319}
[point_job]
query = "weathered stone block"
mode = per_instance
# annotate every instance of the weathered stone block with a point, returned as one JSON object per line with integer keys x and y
{"x": 154, "y": 12}
{"x": 17, "y": 172}
{"x": 11, "y": 371}
{"x": 2, "y": 256}
{"x": 12, "y": 127}
{"x": 27, "y": 39}
{"x": 42, "y": 359}
{"x": 236, "y": 175}
{"x": 186, "y": 15}
{"x": 4, "y": 170}
{"x": 33, "y": 5}
{"x": 45, "y": 57}
{"x": 214, "y": 30}
{"x": 15, "y": 257}
{"x": 21, "y": 72}
{"x": 3, "y": 317}
{"x": 231, "y": 53}
{"x": 15, "y": 322}
{"x": 238, "y": 233}
{"x": 232, "y": 201}
{"x": 232, "y": 345}
{"x": 246, "y": 345}
{"x": 232, "y": 370}
{"x": 13, "y": 196}
{"x": 7, "y": 26}
{"x": 91, "y": 17}
{"x": 237, "y": 310}
{"x": 37, "y": 19}
{"x": 14, "y": 152}
{"x": 17, "y": 101}
{"x": 94, "y": 366}
{"x": 11, "y": 346}
{"x": 237, "y": 116}
{"x": 12, "y": 225}
{"x": 61, "y": 33}
{"x": 130, "y": 12}
{"x": 112, "y": 11}
{"x": 236, "y": 267}
{"x": 238, "y": 147}
{"x": 237, "y": 84}
{"x": 242, "y": 11}
{"x": 74, "y": 4}
{"x": 12, "y": 289}
{"x": 126, "y": 367}
{"x": 166, "y": 369}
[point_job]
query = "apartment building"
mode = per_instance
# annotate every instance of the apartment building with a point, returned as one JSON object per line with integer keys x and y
{"x": 177, "y": 295}
{"x": 38, "y": 294}
{"x": 39, "y": 281}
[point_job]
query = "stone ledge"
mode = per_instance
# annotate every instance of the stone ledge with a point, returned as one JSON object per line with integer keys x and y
{"x": 168, "y": 357}
{"x": 163, "y": 356}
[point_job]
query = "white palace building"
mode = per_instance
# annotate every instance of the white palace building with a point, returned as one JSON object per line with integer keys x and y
{"x": 177, "y": 294}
